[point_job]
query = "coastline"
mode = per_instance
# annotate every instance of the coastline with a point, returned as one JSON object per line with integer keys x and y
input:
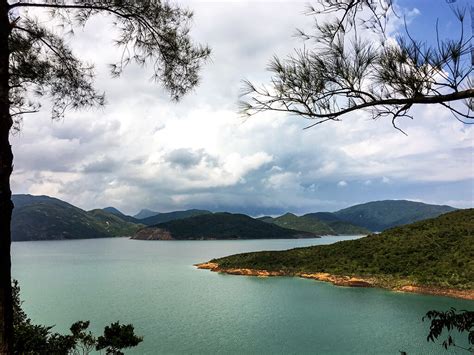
{"x": 345, "y": 281}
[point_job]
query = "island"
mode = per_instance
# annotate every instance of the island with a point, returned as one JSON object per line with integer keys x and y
{"x": 218, "y": 226}
{"x": 434, "y": 256}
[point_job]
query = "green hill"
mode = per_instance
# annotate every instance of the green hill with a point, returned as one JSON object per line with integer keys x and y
{"x": 268, "y": 219}
{"x": 360, "y": 219}
{"x": 218, "y": 226}
{"x": 113, "y": 224}
{"x": 380, "y": 215}
{"x": 323, "y": 216}
{"x": 171, "y": 216}
{"x": 311, "y": 225}
{"x": 113, "y": 210}
{"x": 321, "y": 223}
{"x": 346, "y": 228}
{"x": 122, "y": 216}
{"x": 145, "y": 213}
{"x": 47, "y": 218}
{"x": 435, "y": 252}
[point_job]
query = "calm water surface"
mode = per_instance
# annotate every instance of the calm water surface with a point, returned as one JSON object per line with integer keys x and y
{"x": 179, "y": 309}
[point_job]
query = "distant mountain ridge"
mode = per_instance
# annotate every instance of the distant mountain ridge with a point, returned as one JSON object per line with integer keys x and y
{"x": 44, "y": 217}
{"x": 113, "y": 210}
{"x": 381, "y": 215}
{"x": 22, "y": 200}
{"x": 313, "y": 224}
{"x": 145, "y": 213}
{"x": 374, "y": 216}
{"x": 171, "y": 216}
{"x": 121, "y": 215}
{"x": 218, "y": 226}
{"x": 48, "y": 218}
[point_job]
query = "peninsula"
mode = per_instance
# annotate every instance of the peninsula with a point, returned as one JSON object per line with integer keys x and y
{"x": 434, "y": 256}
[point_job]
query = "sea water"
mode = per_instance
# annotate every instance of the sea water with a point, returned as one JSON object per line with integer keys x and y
{"x": 180, "y": 309}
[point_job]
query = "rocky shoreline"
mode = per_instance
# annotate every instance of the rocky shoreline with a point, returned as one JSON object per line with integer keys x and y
{"x": 346, "y": 281}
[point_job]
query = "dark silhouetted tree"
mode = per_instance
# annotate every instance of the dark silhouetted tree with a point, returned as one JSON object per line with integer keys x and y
{"x": 35, "y": 62}
{"x": 352, "y": 65}
{"x": 460, "y": 321}
{"x": 116, "y": 337}
{"x": 31, "y": 338}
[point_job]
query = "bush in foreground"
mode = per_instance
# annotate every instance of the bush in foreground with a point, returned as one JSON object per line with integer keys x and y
{"x": 31, "y": 338}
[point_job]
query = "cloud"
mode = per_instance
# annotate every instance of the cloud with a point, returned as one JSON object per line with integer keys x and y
{"x": 342, "y": 183}
{"x": 185, "y": 158}
{"x": 101, "y": 165}
{"x": 143, "y": 151}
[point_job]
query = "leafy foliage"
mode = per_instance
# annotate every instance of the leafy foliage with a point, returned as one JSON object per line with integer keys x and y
{"x": 462, "y": 321}
{"x": 30, "y": 338}
{"x": 352, "y": 66}
{"x": 151, "y": 32}
{"x": 41, "y": 64}
{"x": 117, "y": 336}
{"x": 437, "y": 252}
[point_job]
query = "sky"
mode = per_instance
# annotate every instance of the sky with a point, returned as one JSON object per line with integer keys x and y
{"x": 144, "y": 151}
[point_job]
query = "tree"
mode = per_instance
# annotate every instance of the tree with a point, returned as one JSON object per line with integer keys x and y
{"x": 462, "y": 321}
{"x": 354, "y": 66}
{"x": 117, "y": 337}
{"x": 31, "y": 338}
{"x": 36, "y": 62}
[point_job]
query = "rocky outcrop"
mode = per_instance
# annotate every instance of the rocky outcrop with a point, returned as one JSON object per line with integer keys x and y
{"x": 429, "y": 290}
{"x": 336, "y": 280}
{"x": 245, "y": 272}
{"x": 339, "y": 280}
{"x": 207, "y": 266}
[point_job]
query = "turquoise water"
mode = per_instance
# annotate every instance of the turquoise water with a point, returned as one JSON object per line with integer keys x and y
{"x": 179, "y": 309}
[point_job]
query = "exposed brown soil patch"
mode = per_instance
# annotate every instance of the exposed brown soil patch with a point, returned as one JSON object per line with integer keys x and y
{"x": 431, "y": 290}
{"x": 343, "y": 281}
{"x": 339, "y": 280}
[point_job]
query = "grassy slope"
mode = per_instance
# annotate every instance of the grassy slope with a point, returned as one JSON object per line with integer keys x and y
{"x": 437, "y": 252}
{"x": 225, "y": 226}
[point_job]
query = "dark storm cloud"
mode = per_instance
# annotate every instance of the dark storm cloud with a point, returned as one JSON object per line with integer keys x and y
{"x": 102, "y": 165}
{"x": 185, "y": 158}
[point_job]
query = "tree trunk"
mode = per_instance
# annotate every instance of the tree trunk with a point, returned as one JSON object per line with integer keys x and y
{"x": 6, "y": 205}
